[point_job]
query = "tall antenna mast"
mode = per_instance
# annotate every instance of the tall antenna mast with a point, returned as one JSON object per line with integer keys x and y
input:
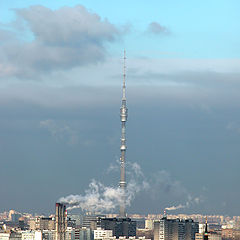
{"x": 123, "y": 117}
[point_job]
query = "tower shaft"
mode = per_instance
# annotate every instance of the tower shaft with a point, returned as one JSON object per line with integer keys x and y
{"x": 123, "y": 117}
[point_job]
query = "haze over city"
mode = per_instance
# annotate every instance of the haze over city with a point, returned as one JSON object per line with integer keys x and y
{"x": 61, "y": 73}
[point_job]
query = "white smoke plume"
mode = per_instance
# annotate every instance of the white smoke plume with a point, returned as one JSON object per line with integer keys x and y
{"x": 175, "y": 207}
{"x": 98, "y": 198}
{"x": 104, "y": 199}
{"x": 101, "y": 198}
{"x": 188, "y": 203}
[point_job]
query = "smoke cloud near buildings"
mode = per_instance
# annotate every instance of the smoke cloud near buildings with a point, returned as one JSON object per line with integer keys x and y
{"x": 174, "y": 207}
{"x": 105, "y": 199}
{"x": 188, "y": 203}
{"x": 101, "y": 198}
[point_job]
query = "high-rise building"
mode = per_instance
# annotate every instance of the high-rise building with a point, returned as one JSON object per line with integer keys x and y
{"x": 4, "y": 236}
{"x": 120, "y": 226}
{"x": 175, "y": 229}
{"x": 191, "y": 228}
{"x": 100, "y": 234}
{"x": 78, "y": 219}
{"x": 42, "y": 223}
{"x": 48, "y": 234}
{"x": 61, "y": 221}
{"x": 91, "y": 221}
{"x": 31, "y": 235}
{"x": 149, "y": 224}
{"x": 70, "y": 234}
{"x": 46, "y": 223}
{"x": 10, "y": 236}
{"x": 21, "y": 223}
{"x": 86, "y": 234}
{"x": 15, "y": 217}
{"x": 71, "y": 222}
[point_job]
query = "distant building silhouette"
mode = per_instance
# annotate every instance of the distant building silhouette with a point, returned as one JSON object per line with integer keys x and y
{"x": 120, "y": 226}
{"x": 175, "y": 229}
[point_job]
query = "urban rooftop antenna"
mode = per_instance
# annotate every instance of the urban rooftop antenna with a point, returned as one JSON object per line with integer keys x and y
{"x": 123, "y": 117}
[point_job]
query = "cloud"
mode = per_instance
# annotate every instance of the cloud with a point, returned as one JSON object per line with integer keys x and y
{"x": 97, "y": 198}
{"x": 60, "y": 133}
{"x": 157, "y": 29}
{"x": 190, "y": 201}
{"x": 174, "y": 207}
{"x": 163, "y": 185}
{"x": 62, "y": 39}
{"x": 233, "y": 126}
{"x": 114, "y": 167}
{"x": 205, "y": 83}
{"x": 101, "y": 198}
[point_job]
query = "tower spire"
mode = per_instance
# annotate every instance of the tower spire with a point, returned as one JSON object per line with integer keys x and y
{"x": 124, "y": 76}
{"x": 123, "y": 117}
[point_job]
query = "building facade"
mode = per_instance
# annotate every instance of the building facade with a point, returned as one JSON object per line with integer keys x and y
{"x": 100, "y": 233}
{"x": 175, "y": 229}
{"x": 121, "y": 227}
{"x": 60, "y": 221}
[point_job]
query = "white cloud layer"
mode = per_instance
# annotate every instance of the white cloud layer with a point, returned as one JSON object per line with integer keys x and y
{"x": 62, "y": 39}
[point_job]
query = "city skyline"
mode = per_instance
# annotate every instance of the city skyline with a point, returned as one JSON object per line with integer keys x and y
{"x": 61, "y": 73}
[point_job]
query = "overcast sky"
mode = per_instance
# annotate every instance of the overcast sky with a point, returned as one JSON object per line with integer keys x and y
{"x": 60, "y": 93}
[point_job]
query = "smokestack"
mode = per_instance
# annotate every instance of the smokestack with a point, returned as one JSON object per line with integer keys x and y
{"x": 61, "y": 221}
{"x": 123, "y": 117}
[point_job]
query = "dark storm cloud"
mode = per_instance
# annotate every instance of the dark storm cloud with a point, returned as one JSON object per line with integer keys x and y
{"x": 156, "y": 28}
{"x": 62, "y": 39}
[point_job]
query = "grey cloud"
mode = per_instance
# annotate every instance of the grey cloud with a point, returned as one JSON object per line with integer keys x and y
{"x": 158, "y": 186}
{"x": 156, "y": 28}
{"x": 65, "y": 133}
{"x": 212, "y": 83}
{"x": 163, "y": 183}
{"x": 188, "y": 77}
{"x": 165, "y": 187}
{"x": 60, "y": 133}
{"x": 99, "y": 197}
{"x": 6, "y": 36}
{"x": 63, "y": 38}
{"x": 67, "y": 26}
{"x": 233, "y": 126}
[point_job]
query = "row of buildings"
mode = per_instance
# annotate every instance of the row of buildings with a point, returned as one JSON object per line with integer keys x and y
{"x": 62, "y": 227}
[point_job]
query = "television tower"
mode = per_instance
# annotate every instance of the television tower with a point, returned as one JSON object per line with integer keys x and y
{"x": 123, "y": 117}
